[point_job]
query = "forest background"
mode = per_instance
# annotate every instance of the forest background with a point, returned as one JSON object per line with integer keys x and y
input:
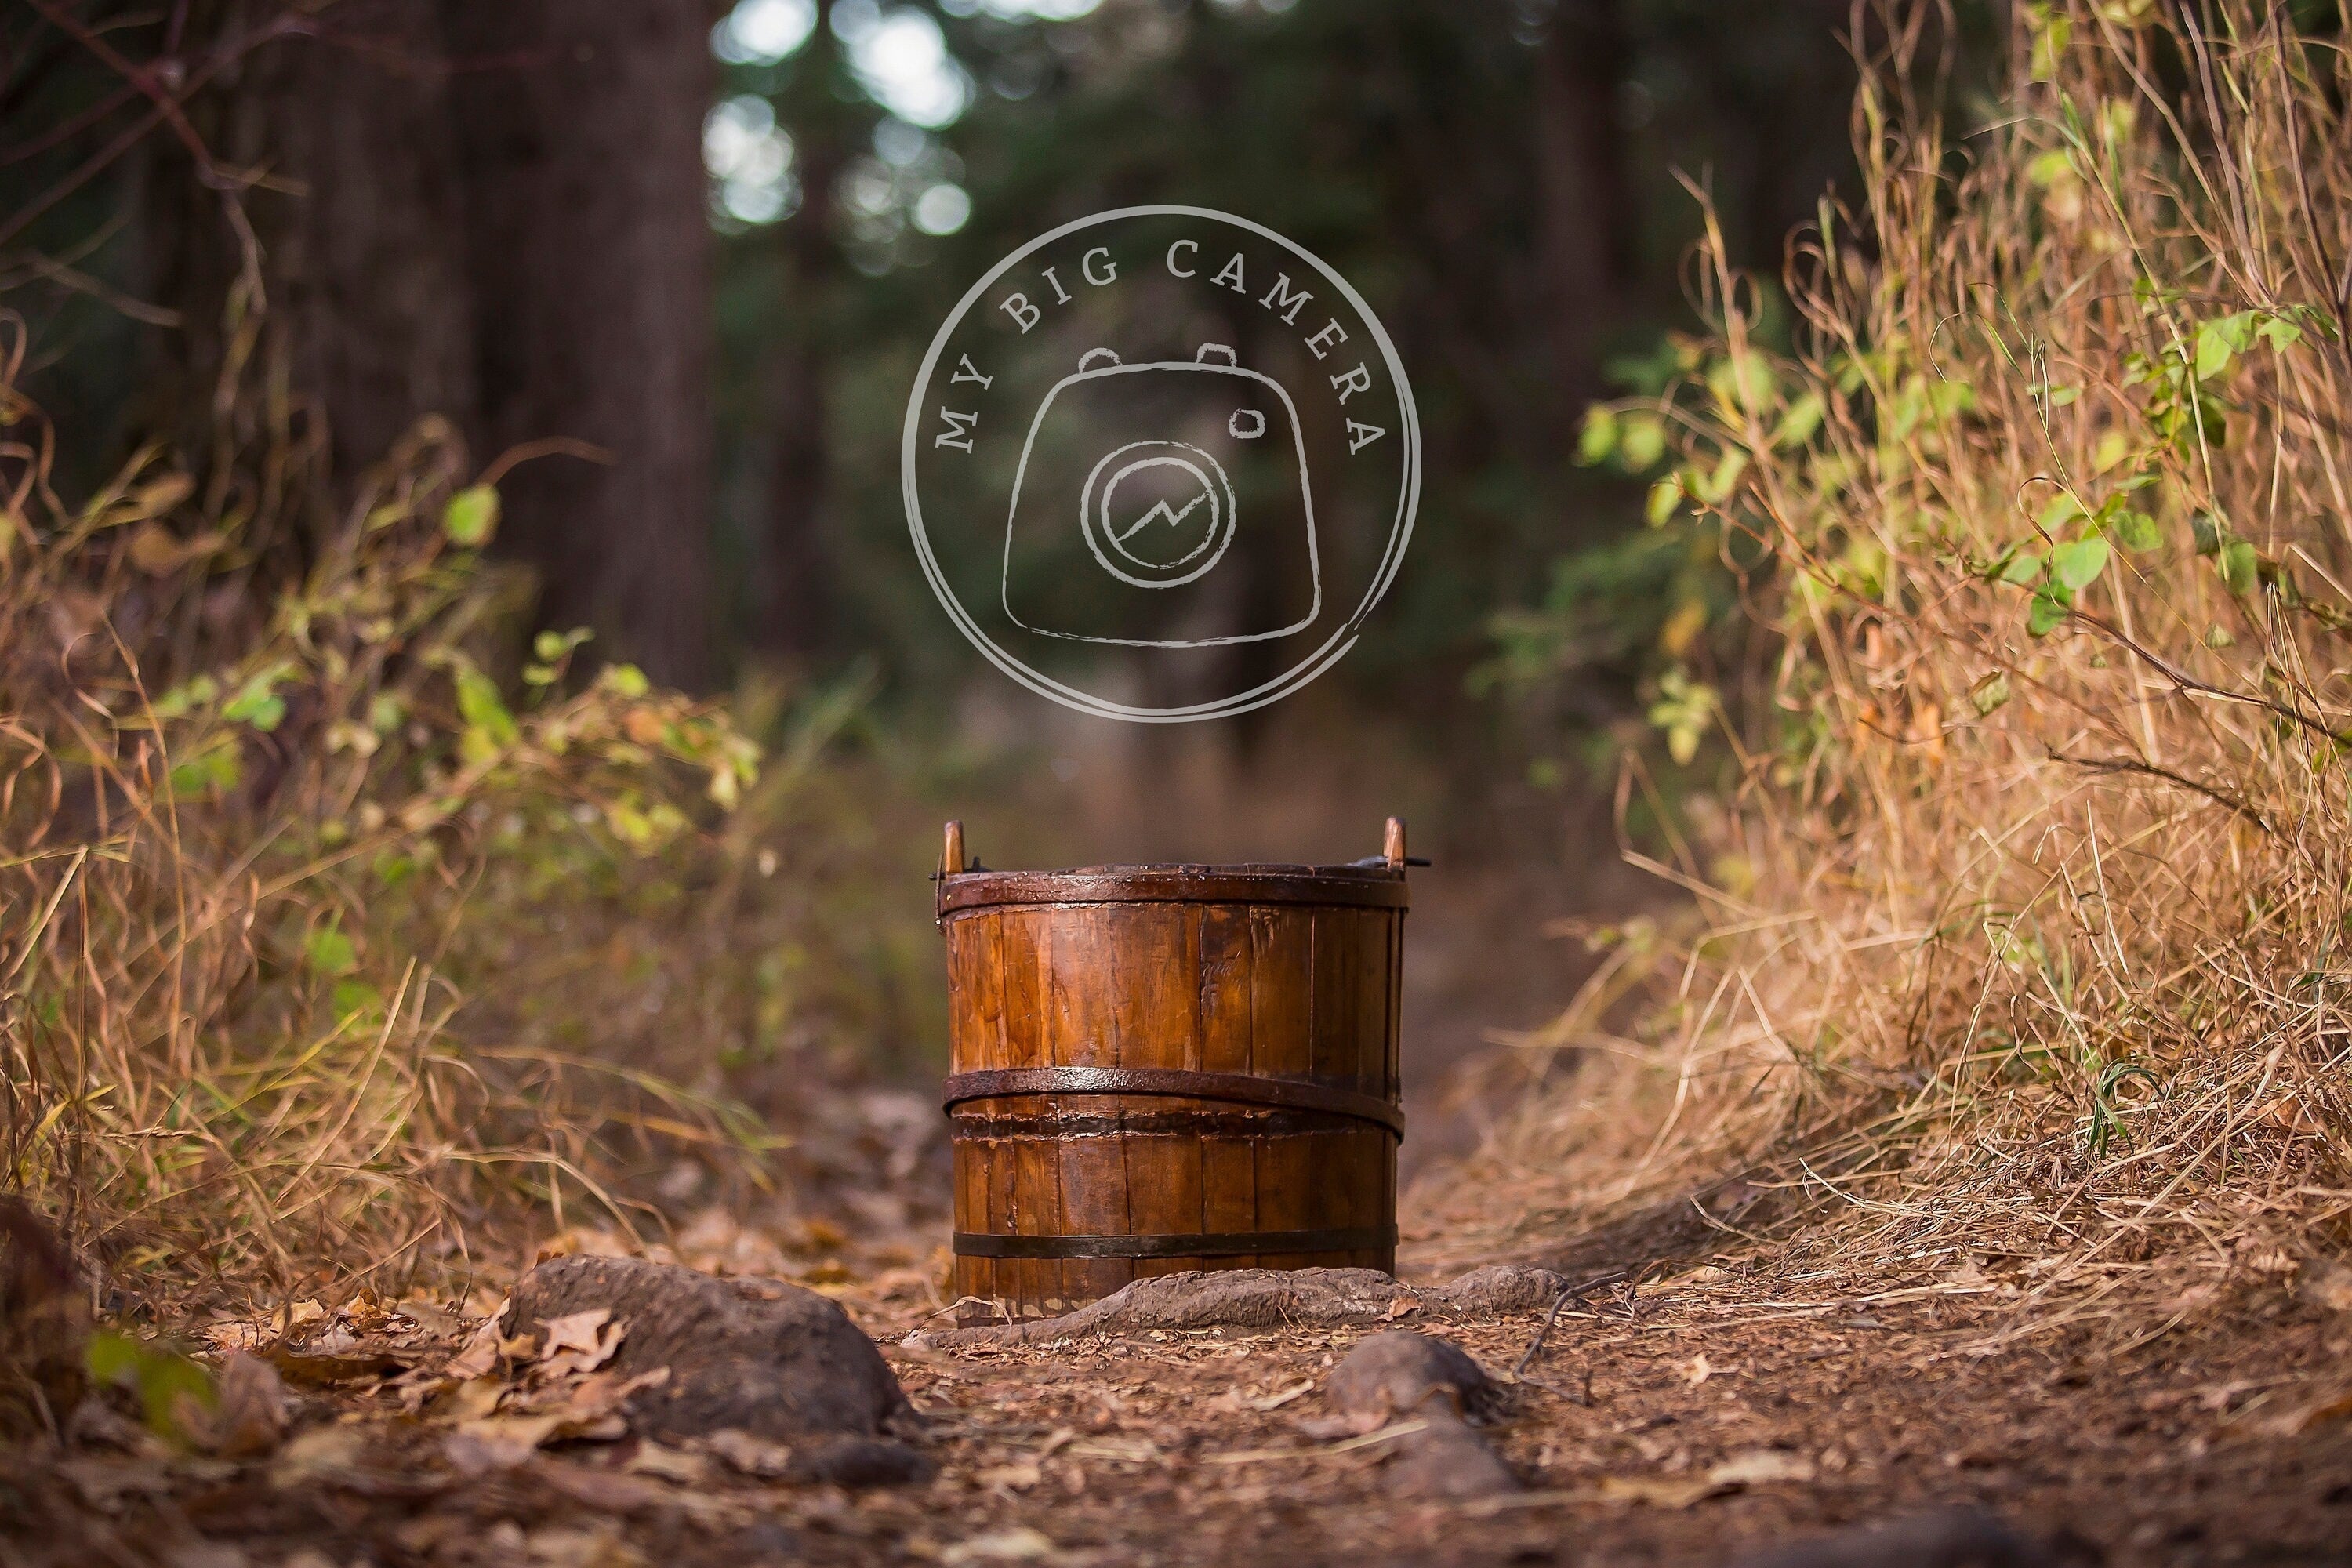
{"x": 676, "y": 263}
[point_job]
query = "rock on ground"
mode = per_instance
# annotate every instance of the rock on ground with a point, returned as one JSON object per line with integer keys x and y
{"x": 1401, "y": 1375}
{"x": 759, "y": 1356}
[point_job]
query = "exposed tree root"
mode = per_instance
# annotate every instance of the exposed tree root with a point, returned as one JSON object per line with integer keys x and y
{"x": 1268, "y": 1299}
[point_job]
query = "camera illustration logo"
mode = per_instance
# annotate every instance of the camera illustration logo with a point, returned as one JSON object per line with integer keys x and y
{"x": 1160, "y": 463}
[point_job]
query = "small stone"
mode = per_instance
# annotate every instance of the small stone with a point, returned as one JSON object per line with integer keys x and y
{"x": 1402, "y": 1376}
{"x": 1394, "y": 1374}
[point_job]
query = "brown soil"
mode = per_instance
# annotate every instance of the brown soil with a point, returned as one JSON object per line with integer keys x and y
{"x": 1688, "y": 1421}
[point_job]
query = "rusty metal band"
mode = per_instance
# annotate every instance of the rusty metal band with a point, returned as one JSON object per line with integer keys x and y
{"x": 1233, "y": 1087}
{"x": 973, "y": 1122}
{"x": 1227, "y": 1244}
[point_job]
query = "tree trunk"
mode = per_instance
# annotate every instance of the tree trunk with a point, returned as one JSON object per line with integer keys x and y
{"x": 588, "y": 245}
{"x": 372, "y": 279}
{"x": 493, "y": 213}
{"x": 791, "y": 618}
{"x": 363, "y": 307}
{"x": 1585, "y": 221}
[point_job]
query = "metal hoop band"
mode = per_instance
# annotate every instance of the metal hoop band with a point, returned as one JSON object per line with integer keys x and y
{"x": 1235, "y": 1087}
{"x": 1229, "y": 1244}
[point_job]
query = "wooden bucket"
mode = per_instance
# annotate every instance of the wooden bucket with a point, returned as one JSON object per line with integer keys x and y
{"x": 1164, "y": 1067}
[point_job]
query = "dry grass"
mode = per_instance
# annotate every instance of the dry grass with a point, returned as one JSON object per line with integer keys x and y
{"x": 2025, "y": 897}
{"x": 254, "y": 778}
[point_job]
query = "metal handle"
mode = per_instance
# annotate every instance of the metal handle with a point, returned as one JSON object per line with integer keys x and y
{"x": 1202, "y": 355}
{"x": 1089, "y": 358}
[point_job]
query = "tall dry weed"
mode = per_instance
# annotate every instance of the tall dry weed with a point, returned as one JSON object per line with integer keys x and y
{"x": 254, "y": 777}
{"x": 2025, "y": 892}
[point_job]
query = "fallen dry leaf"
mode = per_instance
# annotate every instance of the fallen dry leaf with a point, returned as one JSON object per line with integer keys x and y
{"x": 1019, "y": 1476}
{"x": 230, "y": 1335}
{"x": 1275, "y": 1401}
{"x": 2326, "y": 1283}
{"x": 579, "y": 1342}
{"x": 591, "y": 1398}
{"x": 1658, "y": 1491}
{"x": 1018, "y": 1544}
{"x": 319, "y": 1452}
{"x": 1761, "y": 1467}
{"x": 334, "y": 1360}
{"x": 473, "y": 1399}
{"x": 498, "y": 1442}
{"x": 479, "y": 1356}
{"x": 669, "y": 1464}
{"x": 104, "y": 1483}
{"x": 616, "y": 1491}
{"x": 249, "y": 1419}
{"x": 1698, "y": 1371}
{"x": 2317, "y": 1413}
{"x": 751, "y": 1455}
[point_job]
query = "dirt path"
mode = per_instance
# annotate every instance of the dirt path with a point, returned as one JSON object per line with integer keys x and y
{"x": 1706, "y": 1417}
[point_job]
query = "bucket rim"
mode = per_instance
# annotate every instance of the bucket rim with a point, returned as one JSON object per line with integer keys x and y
{"x": 1374, "y": 886}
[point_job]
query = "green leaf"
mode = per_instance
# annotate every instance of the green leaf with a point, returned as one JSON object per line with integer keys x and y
{"x": 2023, "y": 570}
{"x": 1798, "y": 425}
{"x": 483, "y": 709}
{"x": 2209, "y": 531}
{"x": 1598, "y": 440}
{"x": 627, "y": 680}
{"x": 550, "y": 646}
{"x": 1641, "y": 441}
{"x": 257, "y": 703}
{"x": 2046, "y": 611}
{"x": 220, "y": 766}
{"x": 1990, "y": 694}
{"x": 1684, "y": 710}
{"x": 2050, "y": 168}
{"x": 327, "y": 951}
{"x": 2278, "y": 332}
{"x": 2062, "y": 510}
{"x": 1716, "y": 487}
{"x": 2212, "y": 353}
{"x": 2078, "y": 562}
{"x": 196, "y": 691}
{"x": 2219, "y": 341}
{"x": 353, "y": 997}
{"x": 164, "y": 1381}
{"x": 471, "y": 516}
{"x": 2051, "y": 36}
{"x": 1740, "y": 382}
{"x": 2240, "y": 567}
{"x": 2135, "y": 529}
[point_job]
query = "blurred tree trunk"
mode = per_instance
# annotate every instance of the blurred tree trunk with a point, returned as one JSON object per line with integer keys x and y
{"x": 489, "y": 212}
{"x": 589, "y": 259}
{"x": 790, "y": 612}
{"x": 1584, "y": 223}
{"x": 363, "y": 311}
